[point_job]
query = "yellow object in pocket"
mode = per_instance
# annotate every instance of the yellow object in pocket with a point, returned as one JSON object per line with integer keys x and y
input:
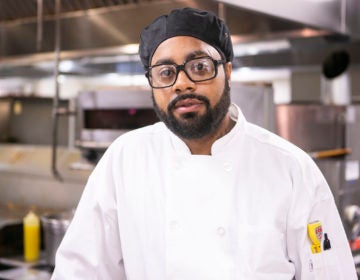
{"x": 315, "y": 233}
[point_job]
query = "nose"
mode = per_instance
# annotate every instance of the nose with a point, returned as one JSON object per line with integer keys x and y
{"x": 183, "y": 83}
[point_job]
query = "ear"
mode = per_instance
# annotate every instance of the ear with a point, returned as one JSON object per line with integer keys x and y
{"x": 228, "y": 70}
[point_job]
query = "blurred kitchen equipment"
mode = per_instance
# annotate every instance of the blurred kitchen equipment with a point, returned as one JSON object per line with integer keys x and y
{"x": 352, "y": 216}
{"x": 18, "y": 113}
{"x": 256, "y": 102}
{"x": 330, "y": 153}
{"x": 336, "y": 84}
{"x": 313, "y": 127}
{"x": 54, "y": 227}
{"x": 104, "y": 115}
{"x": 330, "y": 134}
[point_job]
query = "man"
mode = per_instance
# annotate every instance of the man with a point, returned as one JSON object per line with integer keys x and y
{"x": 203, "y": 194}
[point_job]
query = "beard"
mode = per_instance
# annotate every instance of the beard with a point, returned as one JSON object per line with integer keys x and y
{"x": 192, "y": 125}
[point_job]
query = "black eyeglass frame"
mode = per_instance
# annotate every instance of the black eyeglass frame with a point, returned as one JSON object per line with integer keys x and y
{"x": 182, "y": 67}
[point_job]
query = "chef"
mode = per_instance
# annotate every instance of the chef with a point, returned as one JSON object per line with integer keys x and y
{"x": 203, "y": 194}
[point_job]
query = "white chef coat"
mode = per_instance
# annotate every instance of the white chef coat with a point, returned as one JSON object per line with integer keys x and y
{"x": 153, "y": 211}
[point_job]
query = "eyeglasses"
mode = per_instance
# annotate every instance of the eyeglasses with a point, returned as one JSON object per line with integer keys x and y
{"x": 197, "y": 70}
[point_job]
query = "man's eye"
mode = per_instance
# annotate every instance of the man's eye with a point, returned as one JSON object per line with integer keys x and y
{"x": 166, "y": 72}
{"x": 201, "y": 66}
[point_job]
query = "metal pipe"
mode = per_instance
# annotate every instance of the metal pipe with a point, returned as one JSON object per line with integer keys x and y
{"x": 39, "y": 31}
{"x": 55, "y": 114}
{"x": 221, "y": 11}
{"x": 72, "y": 123}
{"x": 343, "y": 17}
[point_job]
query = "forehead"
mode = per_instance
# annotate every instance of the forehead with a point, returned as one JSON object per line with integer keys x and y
{"x": 178, "y": 49}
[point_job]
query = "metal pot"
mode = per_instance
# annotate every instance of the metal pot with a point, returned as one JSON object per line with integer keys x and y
{"x": 54, "y": 226}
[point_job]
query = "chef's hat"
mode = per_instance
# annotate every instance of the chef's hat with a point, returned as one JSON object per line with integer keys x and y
{"x": 203, "y": 25}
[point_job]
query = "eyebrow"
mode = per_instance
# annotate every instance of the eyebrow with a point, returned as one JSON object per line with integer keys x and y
{"x": 196, "y": 53}
{"x": 190, "y": 56}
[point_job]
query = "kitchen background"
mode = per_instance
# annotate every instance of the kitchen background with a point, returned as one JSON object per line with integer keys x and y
{"x": 71, "y": 81}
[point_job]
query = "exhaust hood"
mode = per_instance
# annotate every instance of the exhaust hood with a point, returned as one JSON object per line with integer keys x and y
{"x": 339, "y": 16}
{"x": 96, "y": 34}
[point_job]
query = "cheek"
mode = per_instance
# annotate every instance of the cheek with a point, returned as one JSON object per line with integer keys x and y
{"x": 161, "y": 98}
{"x": 217, "y": 90}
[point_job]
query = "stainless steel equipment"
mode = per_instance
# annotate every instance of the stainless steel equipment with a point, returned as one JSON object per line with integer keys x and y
{"x": 256, "y": 102}
{"x": 19, "y": 113}
{"x": 313, "y": 127}
{"x": 316, "y": 127}
{"x": 54, "y": 228}
{"x": 93, "y": 30}
{"x": 105, "y": 115}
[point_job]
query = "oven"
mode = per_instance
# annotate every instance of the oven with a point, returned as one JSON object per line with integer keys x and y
{"x": 102, "y": 116}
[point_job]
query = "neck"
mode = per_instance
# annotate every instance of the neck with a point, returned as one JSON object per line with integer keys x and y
{"x": 202, "y": 146}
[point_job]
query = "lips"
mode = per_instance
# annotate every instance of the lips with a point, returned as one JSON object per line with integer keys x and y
{"x": 188, "y": 102}
{"x": 188, "y": 105}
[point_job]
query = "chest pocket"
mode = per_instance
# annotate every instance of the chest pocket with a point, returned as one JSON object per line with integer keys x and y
{"x": 263, "y": 253}
{"x": 324, "y": 266}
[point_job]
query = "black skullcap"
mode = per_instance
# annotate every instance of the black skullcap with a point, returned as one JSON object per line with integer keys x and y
{"x": 202, "y": 25}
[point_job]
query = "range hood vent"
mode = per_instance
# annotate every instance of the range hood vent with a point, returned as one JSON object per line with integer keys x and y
{"x": 94, "y": 28}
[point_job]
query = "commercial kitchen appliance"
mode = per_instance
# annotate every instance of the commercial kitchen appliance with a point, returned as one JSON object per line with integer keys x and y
{"x": 330, "y": 133}
{"x": 104, "y": 115}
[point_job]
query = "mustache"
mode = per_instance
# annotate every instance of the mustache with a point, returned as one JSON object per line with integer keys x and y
{"x": 173, "y": 102}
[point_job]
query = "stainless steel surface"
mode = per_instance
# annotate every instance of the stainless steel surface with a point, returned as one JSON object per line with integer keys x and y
{"x": 56, "y": 99}
{"x": 15, "y": 268}
{"x": 111, "y": 23}
{"x": 336, "y": 15}
{"x": 11, "y": 214}
{"x": 107, "y": 27}
{"x": 256, "y": 103}
{"x": 18, "y": 114}
{"x": 99, "y": 138}
{"x": 54, "y": 227}
{"x": 321, "y": 127}
{"x": 5, "y": 113}
{"x": 352, "y": 216}
{"x": 312, "y": 127}
{"x": 26, "y": 179}
{"x": 11, "y": 229}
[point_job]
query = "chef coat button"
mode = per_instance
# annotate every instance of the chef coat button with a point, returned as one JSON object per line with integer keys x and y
{"x": 227, "y": 166}
{"x": 173, "y": 225}
{"x": 221, "y": 231}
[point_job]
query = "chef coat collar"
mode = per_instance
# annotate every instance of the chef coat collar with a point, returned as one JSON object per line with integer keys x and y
{"x": 235, "y": 114}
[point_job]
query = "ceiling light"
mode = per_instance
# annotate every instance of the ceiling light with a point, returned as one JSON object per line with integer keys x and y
{"x": 242, "y": 49}
{"x": 130, "y": 49}
{"x": 66, "y": 66}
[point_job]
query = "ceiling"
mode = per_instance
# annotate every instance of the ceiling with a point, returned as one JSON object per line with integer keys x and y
{"x": 96, "y": 34}
{"x": 28, "y": 9}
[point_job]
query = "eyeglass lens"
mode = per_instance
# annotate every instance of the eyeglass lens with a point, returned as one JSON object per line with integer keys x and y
{"x": 198, "y": 69}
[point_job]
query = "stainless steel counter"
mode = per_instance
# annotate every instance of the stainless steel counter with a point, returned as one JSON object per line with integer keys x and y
{"x": 16, "y": 268}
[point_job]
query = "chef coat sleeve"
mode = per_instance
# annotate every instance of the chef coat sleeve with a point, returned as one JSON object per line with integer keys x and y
{"x": 312, "y": 200}
{"x": 91, "y": 247}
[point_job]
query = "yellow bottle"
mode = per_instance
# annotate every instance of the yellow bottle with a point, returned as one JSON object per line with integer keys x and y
{"x": 31, "y": 237}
